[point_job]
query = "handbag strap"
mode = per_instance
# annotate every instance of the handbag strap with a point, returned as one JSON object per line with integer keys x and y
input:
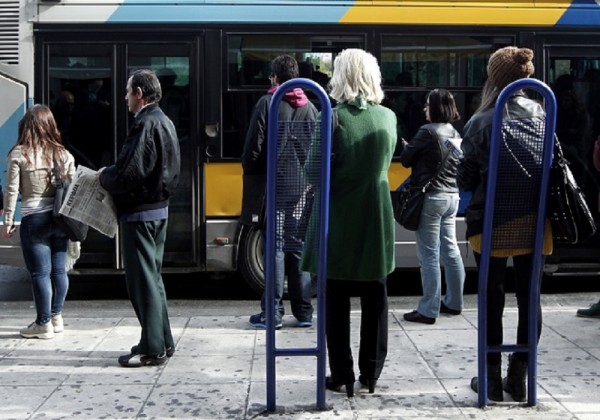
{"x": 442, "y": 163}
{"x": 58, "y": 182}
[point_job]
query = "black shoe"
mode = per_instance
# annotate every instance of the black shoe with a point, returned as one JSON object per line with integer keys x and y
{"x": 445, "y": 310}
{"x": 368, "y": 382}
{"x": 138, "y": 360}
{"x": 336, "y": 386}
{"x": 170, "y": 350}
{"x": 514, "y": 383}
{"x": 414, "y": 316}
{"x": 494, "y": 383}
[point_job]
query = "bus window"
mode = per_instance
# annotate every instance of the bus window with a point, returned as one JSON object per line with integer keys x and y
{"x": 249, "y": 59}
{"x": 433, "y": 61}
{"x": 413, "y": 65}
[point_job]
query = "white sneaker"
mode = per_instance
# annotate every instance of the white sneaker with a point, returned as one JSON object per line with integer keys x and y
{"x": 57, "y": 323}
{"x": 38, "y": 331}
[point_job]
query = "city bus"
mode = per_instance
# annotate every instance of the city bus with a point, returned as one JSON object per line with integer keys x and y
{"x": 212, "y": 58}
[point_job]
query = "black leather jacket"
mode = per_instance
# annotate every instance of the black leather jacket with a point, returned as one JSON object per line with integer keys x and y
{"x": 473, "y": 169}
{"x": 146, "y": 172}
{"x": 425, "y": 152}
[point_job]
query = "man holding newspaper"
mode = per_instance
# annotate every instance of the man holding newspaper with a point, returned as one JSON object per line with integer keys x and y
{"x": 145, "y": 174}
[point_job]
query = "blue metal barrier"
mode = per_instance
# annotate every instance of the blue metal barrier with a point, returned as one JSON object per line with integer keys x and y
{"x": 545, "y": 159}
{"x": 273, "y": 140}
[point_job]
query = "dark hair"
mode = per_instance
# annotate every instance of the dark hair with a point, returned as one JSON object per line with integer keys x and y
{"x": 285, "y": 67}
{"x": 149, "y": 84}
{"x": 442, "y": 108}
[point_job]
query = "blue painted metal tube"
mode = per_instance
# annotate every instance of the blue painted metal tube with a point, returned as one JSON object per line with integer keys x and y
{"x": 536, "y": 269}
{"x": 270, "y": 269}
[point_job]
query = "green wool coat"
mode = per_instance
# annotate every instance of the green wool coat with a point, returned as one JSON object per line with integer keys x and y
{"x": 361, "y": 222}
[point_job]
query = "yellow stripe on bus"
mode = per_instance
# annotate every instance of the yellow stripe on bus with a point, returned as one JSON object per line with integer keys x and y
{"x": 223, "y": 181}
{"x": 457, "y": 13}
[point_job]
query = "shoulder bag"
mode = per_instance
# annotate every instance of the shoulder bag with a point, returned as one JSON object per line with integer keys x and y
{"x": 76, "y": 231}
{"x": 410, "y": 201}
{"x": 571, "y": 219}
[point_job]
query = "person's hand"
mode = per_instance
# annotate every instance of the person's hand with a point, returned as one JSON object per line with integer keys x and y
{"x": 99, "y": 172}
{"x": 7, "y": 232}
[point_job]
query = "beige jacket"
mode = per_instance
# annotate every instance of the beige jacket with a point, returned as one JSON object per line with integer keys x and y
{"x": 33, "y": 181}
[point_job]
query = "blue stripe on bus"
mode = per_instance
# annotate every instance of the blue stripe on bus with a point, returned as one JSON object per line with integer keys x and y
{"x": 581, "y": 13}
{"x": 229, "y": 11}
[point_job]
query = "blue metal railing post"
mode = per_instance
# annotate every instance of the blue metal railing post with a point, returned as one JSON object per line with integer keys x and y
{"x": 536, "y": 265}
{"x": 270, "y": 264}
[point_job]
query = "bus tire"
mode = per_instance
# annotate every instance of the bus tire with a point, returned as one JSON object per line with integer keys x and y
{"x": 250, "y": 258}
{"x": 251, "y": 261}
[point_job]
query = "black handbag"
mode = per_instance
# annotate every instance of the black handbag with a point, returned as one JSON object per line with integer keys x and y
{"x": 75, "y": 230}
{"x": 411, "y": 199}
{"x": 571, "y": 219}
{"x": 410, "y": 205}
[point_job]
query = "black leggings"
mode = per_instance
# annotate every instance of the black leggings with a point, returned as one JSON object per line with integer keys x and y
{"x": 496, "y": 301}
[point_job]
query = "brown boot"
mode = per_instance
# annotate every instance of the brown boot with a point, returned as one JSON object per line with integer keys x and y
{"x": 514, "y": 383}
{"x": 494, "y": 378}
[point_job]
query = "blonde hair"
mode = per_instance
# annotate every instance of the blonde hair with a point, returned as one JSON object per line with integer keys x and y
{"x": 356, "y": 72}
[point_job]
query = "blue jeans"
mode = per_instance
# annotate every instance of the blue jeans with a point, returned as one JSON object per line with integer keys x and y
{"x": 44, "y": 247}
{"x": 287, "y": 261}
{"x": 436, "y": 237}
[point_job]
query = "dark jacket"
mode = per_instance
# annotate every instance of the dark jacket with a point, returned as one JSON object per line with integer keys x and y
{"x": 146, "y": 172}
{"x": 295, "y": 106}
{"x": 424, "y": 154}
{"x": 473, "y": 169}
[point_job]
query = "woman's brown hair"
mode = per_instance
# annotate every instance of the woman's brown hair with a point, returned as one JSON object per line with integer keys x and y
{"x": 442, "y": 107}
{"x": 38, "y": 132}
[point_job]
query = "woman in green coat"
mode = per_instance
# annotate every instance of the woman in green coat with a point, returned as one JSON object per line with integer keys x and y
{"x": 361, "y": 223}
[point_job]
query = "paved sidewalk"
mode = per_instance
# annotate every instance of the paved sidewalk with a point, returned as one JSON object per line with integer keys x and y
{"x": 218, "y": 371}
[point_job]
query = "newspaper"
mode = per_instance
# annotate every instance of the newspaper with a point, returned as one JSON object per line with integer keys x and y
{"x": 89, "y": 203}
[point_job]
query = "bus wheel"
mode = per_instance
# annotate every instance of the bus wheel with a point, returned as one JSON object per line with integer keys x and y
{"x": 250, "y": 258}
{"x": 251, "y": 261}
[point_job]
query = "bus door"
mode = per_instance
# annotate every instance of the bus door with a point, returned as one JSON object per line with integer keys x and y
{"x": 85, "y": 87}
{"x": 573, "y": 73}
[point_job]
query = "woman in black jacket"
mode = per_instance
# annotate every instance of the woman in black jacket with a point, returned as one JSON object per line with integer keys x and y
{"x": 432, "y": 157}
{"x": 505, "y": 66}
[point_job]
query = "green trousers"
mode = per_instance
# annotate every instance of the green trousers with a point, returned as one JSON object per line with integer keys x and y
{"x": 143, "y": 249}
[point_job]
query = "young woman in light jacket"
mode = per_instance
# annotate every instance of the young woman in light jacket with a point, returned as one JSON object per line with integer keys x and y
{"x": 44, "y": 244}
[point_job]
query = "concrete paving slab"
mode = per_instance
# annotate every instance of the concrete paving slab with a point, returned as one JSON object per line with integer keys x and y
{"x": 219, "y": 368}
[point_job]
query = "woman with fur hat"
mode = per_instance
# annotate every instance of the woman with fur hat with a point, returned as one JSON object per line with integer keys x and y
{"x": 505, "y": 66}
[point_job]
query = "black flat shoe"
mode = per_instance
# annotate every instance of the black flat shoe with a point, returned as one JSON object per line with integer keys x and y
{"x": 368, "y": 382}
{"x": 445, "y": 310}
{"x": 415, "y": 316}
{"x": 336, "y": 386}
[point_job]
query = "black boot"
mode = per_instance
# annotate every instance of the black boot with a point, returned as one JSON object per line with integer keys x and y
{"x": 514, "y": 383}
{"x": 494, "y": 378}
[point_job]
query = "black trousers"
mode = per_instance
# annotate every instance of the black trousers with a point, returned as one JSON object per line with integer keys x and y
{"x": 373, "y": 328}
{"x": 496, "y": 302}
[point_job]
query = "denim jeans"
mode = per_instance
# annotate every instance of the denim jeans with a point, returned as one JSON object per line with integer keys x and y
{"x": 436, "y": 239}
{"x": 44, "y": 247}
{"x": 287, "y": 261}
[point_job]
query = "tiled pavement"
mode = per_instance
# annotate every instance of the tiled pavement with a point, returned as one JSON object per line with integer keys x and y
{"x": 218, "y": 371}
